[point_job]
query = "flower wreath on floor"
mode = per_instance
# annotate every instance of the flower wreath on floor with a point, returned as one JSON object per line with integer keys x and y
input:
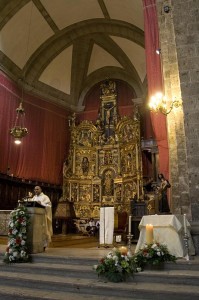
{"x": 152, "y": 254}
{"x": 117, "y": 266}
{"x": 16, "y": 251}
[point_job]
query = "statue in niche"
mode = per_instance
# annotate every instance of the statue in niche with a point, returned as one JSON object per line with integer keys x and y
{"x": 128, "y": 132}
{"x": 71, "y": 120}
{"x": 118, "y": 192}
{"x": 67, "y": 171}
{"x": 108, "y": 88}
{"x": 74, "y": 192}
{"x": 136, "y": 114}
{"x": 128, "y": 162}
{"x": 108, "y": 184}
{"x": 85, "y": 165}
{"x": 108, "y": 117}
{"x": 85, "y": 138}
{"x": 96, "y": 193}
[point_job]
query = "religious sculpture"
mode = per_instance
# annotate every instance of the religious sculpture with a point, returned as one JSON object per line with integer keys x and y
{"x": 85, "y": 165}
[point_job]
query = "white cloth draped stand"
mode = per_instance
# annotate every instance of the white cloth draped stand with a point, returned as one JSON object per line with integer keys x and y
{"x": 106, "y": 225}
{"x": 169, "y": 230}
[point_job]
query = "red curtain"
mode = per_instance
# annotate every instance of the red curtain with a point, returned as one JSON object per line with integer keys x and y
{"x": 42, "y": 152}
{"x": 154, "y": 78}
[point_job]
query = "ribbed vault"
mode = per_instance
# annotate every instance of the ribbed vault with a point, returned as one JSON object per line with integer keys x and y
{"x": 69, "y": 46}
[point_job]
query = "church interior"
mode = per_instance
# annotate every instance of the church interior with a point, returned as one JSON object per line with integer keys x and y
{"x": 81, "y": 113}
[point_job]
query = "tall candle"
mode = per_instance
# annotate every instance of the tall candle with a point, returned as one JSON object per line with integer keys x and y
{"x": 185, "y": 224}
{"x": 130, "y": 224}
{"x": 149, "y": 234}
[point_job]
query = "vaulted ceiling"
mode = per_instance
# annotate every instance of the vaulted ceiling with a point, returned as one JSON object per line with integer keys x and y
{"x": 60, "y": 49}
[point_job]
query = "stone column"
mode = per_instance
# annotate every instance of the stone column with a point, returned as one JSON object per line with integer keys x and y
{"x": 178, "y": 27}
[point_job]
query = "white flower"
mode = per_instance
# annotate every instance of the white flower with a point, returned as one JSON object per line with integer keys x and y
{"x": 14, "y": 231}
{"x": 23, "y": 242}
{"x": 23, "y": 253}
{"x": 158, "y": 253}
{"x": 154, "y": 246}
{"x": 12, "y": 241}
{"x": 11, "y": 224}
{"x": 126, "y": 258}
{"x": 23, "y": 230}
{"x": 15, "y": 253}
{"x": 139, "y": 269}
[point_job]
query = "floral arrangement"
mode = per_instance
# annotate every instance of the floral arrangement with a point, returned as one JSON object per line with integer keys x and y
{"x": 152, "y": 254}
{"x": 16, "y": 250}
{"x": 117, "y": 266}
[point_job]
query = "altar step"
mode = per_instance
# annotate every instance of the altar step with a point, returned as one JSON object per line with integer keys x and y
{"x": 60, "y": 278}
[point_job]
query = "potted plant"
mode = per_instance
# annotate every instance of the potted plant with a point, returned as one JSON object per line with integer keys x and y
{"x": 117, "y": 266}
{"x": 152, "y": 255}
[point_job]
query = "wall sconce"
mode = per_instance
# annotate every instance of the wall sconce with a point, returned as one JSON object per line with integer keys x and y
{"x": 19, "y": 131}
{"x": 159, "y": 103}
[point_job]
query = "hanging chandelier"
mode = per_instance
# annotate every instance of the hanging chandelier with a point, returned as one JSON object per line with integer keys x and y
{"x": 19, "y": 130}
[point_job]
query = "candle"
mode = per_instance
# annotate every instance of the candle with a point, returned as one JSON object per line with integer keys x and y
{"x": 149, "y": 233}
{"x": 185, "y": 224}
{"x": 130, "y": 224}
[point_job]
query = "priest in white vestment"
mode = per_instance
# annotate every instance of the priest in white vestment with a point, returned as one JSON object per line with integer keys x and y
{"x": 44, "y": 200}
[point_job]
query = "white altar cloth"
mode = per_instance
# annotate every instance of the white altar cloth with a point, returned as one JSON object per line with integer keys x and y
{"x": 169, "y": 230}
{"x": 106, "y": 225}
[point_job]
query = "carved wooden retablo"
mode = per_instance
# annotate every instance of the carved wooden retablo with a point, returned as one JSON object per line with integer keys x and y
{"x": 104, "y": 164}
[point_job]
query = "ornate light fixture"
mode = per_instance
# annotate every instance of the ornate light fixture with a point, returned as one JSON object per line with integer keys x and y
{"x": 19, "y": 131}
{"x": 159, "y": 103}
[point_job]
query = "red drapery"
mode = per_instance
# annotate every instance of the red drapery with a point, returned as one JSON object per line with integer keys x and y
{"x": 42, "y": 152}
{"x": 154, "y": 78}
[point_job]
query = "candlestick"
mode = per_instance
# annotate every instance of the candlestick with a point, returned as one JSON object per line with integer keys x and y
{"x": 185, "y": 224}
{"x": 149, "y": 233}
{"x": 130, "y": 224}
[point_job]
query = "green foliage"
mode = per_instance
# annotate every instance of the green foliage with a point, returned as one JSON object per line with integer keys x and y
{"x": 152, "y": 254}
{"x": 116, "y": 267}
{"x": 16, "y": 250}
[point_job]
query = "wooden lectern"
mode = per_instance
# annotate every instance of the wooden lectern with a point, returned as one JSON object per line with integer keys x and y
{"x": 36, "y": 229}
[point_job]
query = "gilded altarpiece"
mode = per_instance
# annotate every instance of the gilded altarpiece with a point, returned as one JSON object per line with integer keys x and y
{"x": 104, "y": 163}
